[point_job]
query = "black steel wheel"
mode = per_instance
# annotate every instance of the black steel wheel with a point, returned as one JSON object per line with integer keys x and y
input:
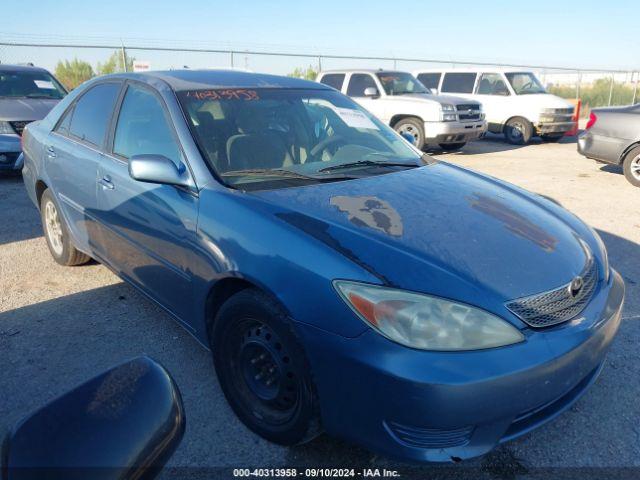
{"x": 263, "y": 370}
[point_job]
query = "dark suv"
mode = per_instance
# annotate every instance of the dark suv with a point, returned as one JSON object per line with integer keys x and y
{"x": 27, "y": 93}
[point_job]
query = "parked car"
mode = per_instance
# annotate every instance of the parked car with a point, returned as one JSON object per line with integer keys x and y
{"x": 515, "y": 102}
{"x": 612, "y": 135}
{"x": 316, "y": 253}
{"x": 26, "y": 94}
{"x": 403, "y": 103}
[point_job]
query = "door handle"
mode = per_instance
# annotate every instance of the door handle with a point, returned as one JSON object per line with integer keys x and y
{"x": 51, "y": 153}
{"x": 106, "y": 183}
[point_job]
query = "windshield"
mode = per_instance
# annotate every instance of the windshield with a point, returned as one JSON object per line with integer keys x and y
{"x": 525, "y": 83}
{"x": 273, "y": 138}
{"x": 401, "y": 83}
{"x": 30, "y": 84}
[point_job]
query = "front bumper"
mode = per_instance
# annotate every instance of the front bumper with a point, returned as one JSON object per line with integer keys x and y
{"x": 444, "y": 406}
{"x": 453, "y": 132}
{"x": 545, "y": 128}
{"x": 10, "y": 153}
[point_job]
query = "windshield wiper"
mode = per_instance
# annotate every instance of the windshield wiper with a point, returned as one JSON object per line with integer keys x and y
{"x": 367, "y": 163}
{"x": 266, "y": 172}
{"x": 37, "y": 95}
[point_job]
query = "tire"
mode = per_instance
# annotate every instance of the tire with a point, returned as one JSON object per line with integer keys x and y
{"x": 631, "y": 167}
{"x": 57, "y": 235}
{"x": 414, "y": 127}
{"x": 518, "y": 131}
{"x": 263, "y": 370}
{"x": 552, "y": 137}
{"x": 450, "y": 147}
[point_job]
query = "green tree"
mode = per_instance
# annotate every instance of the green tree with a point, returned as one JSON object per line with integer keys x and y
{"x": 114, "y": 64}
{"x": 309, "y": 73}
{"x": 73, "y": 73}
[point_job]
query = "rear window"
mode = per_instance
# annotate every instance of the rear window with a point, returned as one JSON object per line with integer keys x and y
{"x": 92, "y": 113}
{"x": 334, "y": 80}
{"x": 458, "y": 82}
{"x": 430, "y": 80}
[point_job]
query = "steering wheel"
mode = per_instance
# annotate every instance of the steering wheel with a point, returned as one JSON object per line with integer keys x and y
{"x": 324, "y": 144}
{"x": 527, "y": 85}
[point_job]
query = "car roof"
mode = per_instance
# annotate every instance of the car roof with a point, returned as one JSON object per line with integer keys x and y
{"x": 5, "y": 67}
{"x": 180, "y": 80}
{"x": 486, "y": 69}
{"x": 363, "y": 70}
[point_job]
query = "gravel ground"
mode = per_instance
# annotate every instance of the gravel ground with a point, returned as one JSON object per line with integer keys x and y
{"x": 60, "y": 326}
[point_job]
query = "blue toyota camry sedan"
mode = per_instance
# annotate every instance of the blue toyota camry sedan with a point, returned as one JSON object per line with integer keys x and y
{"x": 344, "y": 281}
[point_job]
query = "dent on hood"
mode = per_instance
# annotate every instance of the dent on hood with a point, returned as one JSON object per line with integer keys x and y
{"x": 513, "y": 221}
{"x": 370, "y": 211}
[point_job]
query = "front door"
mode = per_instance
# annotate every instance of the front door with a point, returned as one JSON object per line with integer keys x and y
{"x": 148, "y": 229}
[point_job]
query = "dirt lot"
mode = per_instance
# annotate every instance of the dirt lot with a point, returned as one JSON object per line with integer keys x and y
{"x": 59, "y": 326}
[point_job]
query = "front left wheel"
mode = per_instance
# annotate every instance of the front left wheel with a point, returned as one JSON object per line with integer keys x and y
{"x": 263, "y": 370}
{"x": 631, "y": 167}
{"x": 57, "y": 235}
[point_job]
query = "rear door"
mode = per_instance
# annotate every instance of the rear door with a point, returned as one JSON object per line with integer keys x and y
{"x": 72, "y": 153}
{"x": 148, "y": 229}
{"x": 334, "y": 80}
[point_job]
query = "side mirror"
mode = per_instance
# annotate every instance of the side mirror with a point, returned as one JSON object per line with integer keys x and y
{"x": 157, "y": 169}
{"x": 371, "y": 92}
{"x": 122, "y": 424}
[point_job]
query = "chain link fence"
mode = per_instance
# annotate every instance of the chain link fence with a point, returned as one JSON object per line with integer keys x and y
{"x": 595, "y": 87}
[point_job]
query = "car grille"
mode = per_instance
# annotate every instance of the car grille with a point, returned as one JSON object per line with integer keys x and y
{"x": 420, "y": 437}
{"x": 18, "y": 126}
{"x": 468, "y": 111}
{"x": 559, "y": 305}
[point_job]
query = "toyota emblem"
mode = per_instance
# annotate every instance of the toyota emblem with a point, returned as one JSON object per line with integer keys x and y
{"x": 575, "y": 286}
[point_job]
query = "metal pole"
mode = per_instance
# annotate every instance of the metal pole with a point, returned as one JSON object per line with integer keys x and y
{"x": 635, "y": 88}
{"x": 611, "y": 90}
{"x": 231, "y": 58}
{"x": 395, "y": 64}
{"x": 124, "y": 59}
{"x": 319, "y": 63}
{"x": 578, "y": 86}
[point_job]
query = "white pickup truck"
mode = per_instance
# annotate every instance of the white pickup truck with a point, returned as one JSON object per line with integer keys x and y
{"x": 514, "y": 101}
{"x": 401, "y": 101}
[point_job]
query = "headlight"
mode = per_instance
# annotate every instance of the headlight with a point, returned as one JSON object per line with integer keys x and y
{"x": 603, "y": 253}
{"x": 445, "y": 107}
{"x": 5, "y": 127}
{"x": 425, "y": 322}
{"x": 449, "y": 117}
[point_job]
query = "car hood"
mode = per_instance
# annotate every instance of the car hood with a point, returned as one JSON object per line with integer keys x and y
{"x": 440, "y": 229}
{"x": 423, "y": 97}
{"x": 25, "y": 108}
{"x": 544, "y": 100}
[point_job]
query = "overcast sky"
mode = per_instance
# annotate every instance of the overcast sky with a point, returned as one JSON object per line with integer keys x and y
{"x": 570, "y": 33}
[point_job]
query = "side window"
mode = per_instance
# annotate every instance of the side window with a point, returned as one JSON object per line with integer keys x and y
{"x": 143, "y": 127}
{"x": 430, "y": 80}
{"x": 358, "y": 83}
{"x": 92, "y": 113}
{"x": 334, "y": 80}
{"x": 458, "y": 82}
{"x": 63, "y": 125}
{"x": 492, "y": 84}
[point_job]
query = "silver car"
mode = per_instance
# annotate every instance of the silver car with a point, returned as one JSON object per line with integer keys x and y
{"x": 612, "y": 136}
{"x": 27, "y": 93}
